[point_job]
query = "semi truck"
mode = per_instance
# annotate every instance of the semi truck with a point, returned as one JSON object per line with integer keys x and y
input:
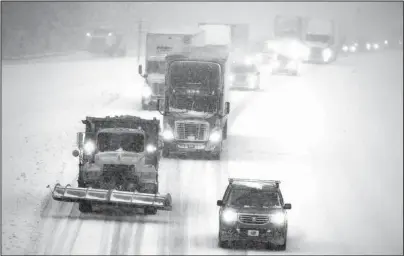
{"x": 158, "y": 46}
{"x": 322, "y": 37}
{"x": 195, "y": 108}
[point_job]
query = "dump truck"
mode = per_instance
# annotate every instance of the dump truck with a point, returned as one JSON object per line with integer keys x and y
{"x": 157, "y": 47}
{"x": 118, "y": 166}
{"x": 195, "y": 108}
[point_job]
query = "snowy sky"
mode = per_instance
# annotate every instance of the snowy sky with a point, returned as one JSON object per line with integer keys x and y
{"x": 375, "y": 18}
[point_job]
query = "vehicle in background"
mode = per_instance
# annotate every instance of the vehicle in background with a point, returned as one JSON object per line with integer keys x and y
{"x": 106, "y": 40}
{"x": 158, "y": 46}
{"x": 286, "y": 55}
{"x": 195, "y": 107}
{"x": 244, "y": 76}
{"x": 322, "y": 37}
{"x": 253, "y": 211}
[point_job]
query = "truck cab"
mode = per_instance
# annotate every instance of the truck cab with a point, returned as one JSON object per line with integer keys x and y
{"x": 158, "y": 46}
{"x": 106, "y": 40}
{"x": 195, "y": 110}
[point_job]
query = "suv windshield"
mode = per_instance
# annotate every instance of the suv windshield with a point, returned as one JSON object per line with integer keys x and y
{"x": 253, "y": 198}
{"x": 243, "y": 69}
{"x": 131, "y": 142}
{"x": 154, "y": 66}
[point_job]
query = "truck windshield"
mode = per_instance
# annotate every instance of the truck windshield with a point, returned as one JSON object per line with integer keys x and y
{"x": 318, "y": 38}
{"x": 194, "y": 75}
{"x": 179, "y": 103}
{"x": 253, "y": 198}
{"x": 131, "y": 142}
{"x": 154, "y": 66}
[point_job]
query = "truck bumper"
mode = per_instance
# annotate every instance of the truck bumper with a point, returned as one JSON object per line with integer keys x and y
{"x": 285, "y": 67}
{"x": 188, "y": 147}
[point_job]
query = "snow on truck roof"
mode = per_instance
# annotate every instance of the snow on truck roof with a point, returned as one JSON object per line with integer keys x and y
{"x": 121, "y": 130}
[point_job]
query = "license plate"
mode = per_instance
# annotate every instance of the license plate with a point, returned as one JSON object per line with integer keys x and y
{"x": 253, "y": 232}
{"x": 191, "y": 146}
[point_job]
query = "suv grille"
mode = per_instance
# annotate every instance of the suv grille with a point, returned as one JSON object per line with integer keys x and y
{"x": 253, "y": 219}
{"x": 191, "y": 130}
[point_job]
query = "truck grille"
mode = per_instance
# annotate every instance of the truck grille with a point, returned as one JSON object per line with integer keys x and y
{"x": 253, "y": 219}
{"x": 158, "y": 88}
{"x": 316, "y": 53}
{"x": 191, "y": 130}
{"x": 117, "y": 167}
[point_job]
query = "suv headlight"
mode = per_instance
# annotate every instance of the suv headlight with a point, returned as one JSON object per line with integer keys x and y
{"x": 229, "y": 216}
{"x": 278, "y": 218}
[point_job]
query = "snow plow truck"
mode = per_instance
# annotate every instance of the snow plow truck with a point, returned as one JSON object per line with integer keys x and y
{"x": 118, "y": 166}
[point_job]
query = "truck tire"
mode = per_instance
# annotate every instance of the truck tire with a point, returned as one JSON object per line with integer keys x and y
{"x": 85, "y": 207}
{"x": 216, "y": 156}
{"x": 166, "y": 152}
{"x": 221, "y": 243}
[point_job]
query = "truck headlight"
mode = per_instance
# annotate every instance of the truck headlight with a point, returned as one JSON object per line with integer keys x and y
{"x": 109, "y": 34}
{"x": 252, "y": 79}
{"x": 151, "y": 148}
{"x": 229, "y": 216}
{"x": 168, "y": 135}
{"x": 327, "y": 54}
{"x": 231, "y": 78}
{"x": 88, "y": 34}
{"x": 147, "y": 92}
{"x": 215, "y": 136}
{"x": 345, "y": 48}
{"x": 376, "y": 46}
{"x": 89, "y": 147}
{"x": 278, "y": 218}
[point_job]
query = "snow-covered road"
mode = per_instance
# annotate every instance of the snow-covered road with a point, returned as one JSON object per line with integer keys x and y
{"x": 333, "y": 136}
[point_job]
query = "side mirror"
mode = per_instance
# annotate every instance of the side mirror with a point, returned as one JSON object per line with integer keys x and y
{"x": 227, "y": 108}
{"x": 258, "y": 73}
{"x": 219, "y": 203}
{"x": 140, "y": 69}
{"x": 76, "y": 153}
{"x": 160, "y": 106}
{"x": 287, "y": 206}
{"x": 80, "y": 139}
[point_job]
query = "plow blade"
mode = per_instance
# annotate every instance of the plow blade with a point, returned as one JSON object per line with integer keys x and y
{"x": 112, "y": 197}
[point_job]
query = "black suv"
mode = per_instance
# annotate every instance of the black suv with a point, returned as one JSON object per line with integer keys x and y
{"x": 253, "y": 210}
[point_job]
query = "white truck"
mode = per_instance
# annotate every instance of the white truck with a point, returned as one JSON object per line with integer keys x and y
{"x": 321, "y": 36}
{"x": 285, "y": 51}
{"x": 158, "y": 46}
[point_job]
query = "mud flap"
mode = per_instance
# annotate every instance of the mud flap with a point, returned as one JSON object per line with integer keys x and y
{"x": 112, "y": 197}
